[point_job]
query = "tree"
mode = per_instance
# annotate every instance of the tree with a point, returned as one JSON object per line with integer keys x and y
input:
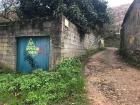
{"x": 85, "y": 14}
{"x": 6, "y": 7}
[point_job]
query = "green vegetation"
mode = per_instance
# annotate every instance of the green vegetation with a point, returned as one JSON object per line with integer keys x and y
{"x": 129, "y": 60}
{"x": 42, "y": 88}
{"x": 64, "y": 86}
{"x": 86, "y": 14}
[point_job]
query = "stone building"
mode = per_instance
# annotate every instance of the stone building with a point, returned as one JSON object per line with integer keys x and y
{"x": 130, "y": 32}
{"x": 25, "y": 46}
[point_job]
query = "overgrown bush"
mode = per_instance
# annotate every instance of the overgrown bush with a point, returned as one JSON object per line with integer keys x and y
{"x": 64, "y": 86}
{"x": 41, "y": 87}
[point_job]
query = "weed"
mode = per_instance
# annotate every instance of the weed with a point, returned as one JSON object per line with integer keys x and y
{"x": 63, "y": 87}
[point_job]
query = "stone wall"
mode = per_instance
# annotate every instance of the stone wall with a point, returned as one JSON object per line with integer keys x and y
{"x": 72, "y": 44}
{"x": 130, "y": 33}
{"x": 7, "y": 49}
{"x": 91, "y": 41}
{"x": 65, "y": 40}
{"x": 9, "y": 34}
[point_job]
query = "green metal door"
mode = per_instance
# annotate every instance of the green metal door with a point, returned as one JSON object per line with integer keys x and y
{"x": 32, "y": 53}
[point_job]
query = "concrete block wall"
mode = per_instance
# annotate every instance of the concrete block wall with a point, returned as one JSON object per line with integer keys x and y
{"x": 71, "y": 42}
{"x": 65, "y": 40}
{"x": 7, "y": 47}
{"x": 9, "y": 33}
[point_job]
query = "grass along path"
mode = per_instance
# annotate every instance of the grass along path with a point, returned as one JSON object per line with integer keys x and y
{"x": 64, "y": 86}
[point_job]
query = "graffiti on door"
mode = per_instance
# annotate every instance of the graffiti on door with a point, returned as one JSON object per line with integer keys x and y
{"x": 33, "y": 53}
{"x": 30, "y": 53}
{"x": 31, "y": 48}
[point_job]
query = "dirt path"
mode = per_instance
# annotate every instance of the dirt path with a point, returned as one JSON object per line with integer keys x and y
{"x": 110, "y": 81}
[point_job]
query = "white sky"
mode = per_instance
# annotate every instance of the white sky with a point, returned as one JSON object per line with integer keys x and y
{"x": 114, "y": 3}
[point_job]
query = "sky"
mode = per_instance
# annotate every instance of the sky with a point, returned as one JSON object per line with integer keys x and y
{"x": 114, "y": 3}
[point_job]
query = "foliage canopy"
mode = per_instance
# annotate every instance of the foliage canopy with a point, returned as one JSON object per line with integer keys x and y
{"x": 83, "y": 13}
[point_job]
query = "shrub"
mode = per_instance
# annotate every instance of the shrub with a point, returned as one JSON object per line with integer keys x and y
{"x": 43, "y": 87}
{"x": 65, "y": 86}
